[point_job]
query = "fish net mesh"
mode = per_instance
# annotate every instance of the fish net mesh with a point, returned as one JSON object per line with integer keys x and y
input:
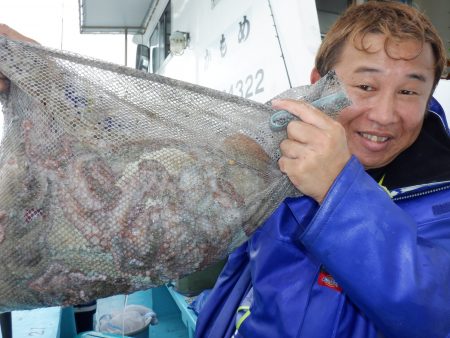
{"x": 114, "y": 180}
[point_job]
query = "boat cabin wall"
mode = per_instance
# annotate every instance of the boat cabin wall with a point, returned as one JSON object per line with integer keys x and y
{"x": 252, "y": 48}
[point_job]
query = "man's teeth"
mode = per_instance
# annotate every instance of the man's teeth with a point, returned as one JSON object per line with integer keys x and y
{"x": 374, "y": 138}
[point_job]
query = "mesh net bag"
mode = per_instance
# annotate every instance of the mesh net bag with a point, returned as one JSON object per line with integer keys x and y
{"x": 114, "y": 180}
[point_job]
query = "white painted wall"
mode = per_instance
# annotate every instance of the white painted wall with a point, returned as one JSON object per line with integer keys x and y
{"x": 251, "y": 67}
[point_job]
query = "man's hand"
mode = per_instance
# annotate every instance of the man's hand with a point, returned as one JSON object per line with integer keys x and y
{"x": 315, "y": 150}
{"x": 10, "y": 33}
{"x": 14, "y": 35}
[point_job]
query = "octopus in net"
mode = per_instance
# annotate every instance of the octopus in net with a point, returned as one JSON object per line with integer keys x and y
{"x": 160, "y": 210}
{"x": 163, "y": 215}
{"x": 92, "y": 209}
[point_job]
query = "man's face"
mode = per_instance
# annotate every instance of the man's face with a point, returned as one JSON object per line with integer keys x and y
{"x": 389, "y": 97}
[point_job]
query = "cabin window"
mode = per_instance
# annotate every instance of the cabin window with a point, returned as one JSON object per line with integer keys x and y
{"x": 159, "y": 41}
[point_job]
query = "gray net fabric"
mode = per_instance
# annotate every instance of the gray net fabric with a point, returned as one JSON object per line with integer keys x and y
{"x": 114, "y": 180}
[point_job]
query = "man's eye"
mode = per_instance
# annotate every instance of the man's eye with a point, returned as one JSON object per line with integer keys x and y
{"x": 366, "y": 88}
{"x": 407, "y": 92}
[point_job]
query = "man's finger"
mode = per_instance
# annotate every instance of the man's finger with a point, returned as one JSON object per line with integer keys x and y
{"x": 291, "y": 149}
{"x": 303, "y": 132}
{"x": 304, "y": 111}
{"x": 10, "y": 33}
{"x": 287, "y": 164}
{"x": 4, "y": 85}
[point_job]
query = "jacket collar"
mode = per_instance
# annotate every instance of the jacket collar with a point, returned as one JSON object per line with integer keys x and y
{"x": 426, "y": 161}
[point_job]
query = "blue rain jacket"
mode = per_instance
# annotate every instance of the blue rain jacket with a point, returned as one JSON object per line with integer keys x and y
{"x": 364, "y": 264}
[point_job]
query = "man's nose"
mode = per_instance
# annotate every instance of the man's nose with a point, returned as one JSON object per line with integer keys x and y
{"x": 383, "y": 109}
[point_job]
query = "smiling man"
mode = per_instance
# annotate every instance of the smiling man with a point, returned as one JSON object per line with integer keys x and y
{"x": 366, "y": 253}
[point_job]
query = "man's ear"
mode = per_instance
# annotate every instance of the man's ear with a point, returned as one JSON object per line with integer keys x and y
{"x": 315, "y": 76}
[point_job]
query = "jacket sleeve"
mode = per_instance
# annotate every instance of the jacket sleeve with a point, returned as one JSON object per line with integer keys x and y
{"x": 398, "y": 277}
